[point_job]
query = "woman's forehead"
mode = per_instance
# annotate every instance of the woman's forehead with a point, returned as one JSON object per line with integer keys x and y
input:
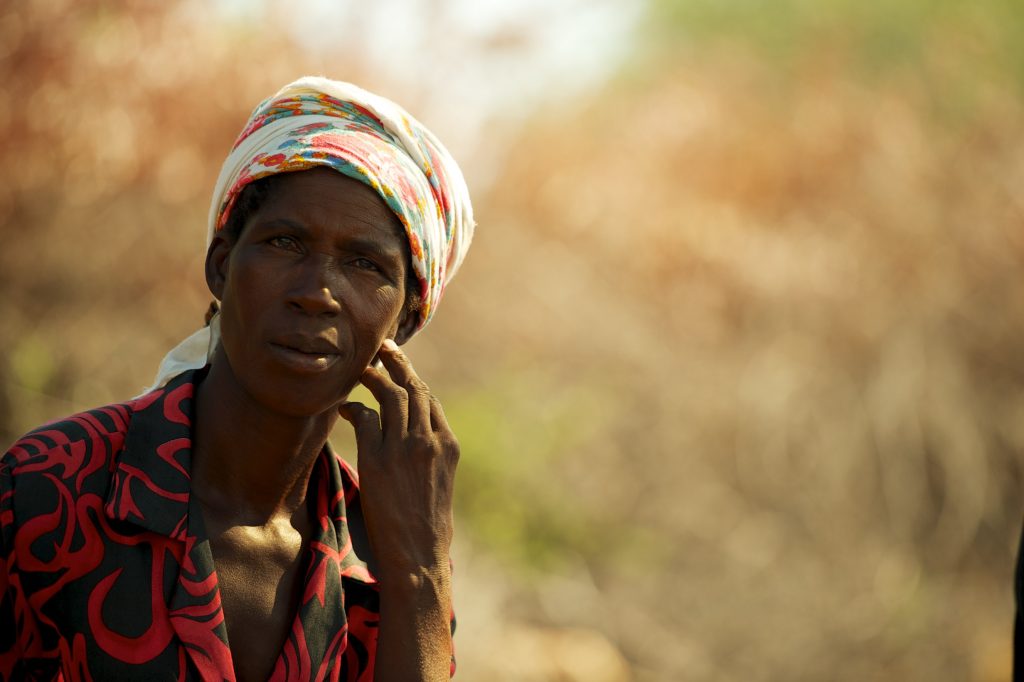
{"x": 324, "y": 198}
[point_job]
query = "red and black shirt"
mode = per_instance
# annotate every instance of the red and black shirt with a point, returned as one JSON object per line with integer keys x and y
{"x": 106, "y": 571}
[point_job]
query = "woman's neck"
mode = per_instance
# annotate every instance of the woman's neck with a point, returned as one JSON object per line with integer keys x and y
{"x": 249, "y": 462}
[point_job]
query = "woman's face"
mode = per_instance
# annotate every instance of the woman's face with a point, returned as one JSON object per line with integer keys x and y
{"x": 309, "y": 290}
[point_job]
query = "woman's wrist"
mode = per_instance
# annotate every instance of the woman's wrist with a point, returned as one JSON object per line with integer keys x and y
{"x": 423, "y": 582}
{"x": 415, "y": 639}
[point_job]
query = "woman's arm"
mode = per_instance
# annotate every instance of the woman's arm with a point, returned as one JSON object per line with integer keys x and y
{"x": 407, "y": 461}
{"x": 414, "y": 642}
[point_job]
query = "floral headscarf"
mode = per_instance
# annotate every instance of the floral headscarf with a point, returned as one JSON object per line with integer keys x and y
{"x": 316, "y": 121}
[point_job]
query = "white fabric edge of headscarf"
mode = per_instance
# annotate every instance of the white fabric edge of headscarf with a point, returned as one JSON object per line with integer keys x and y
{"x": 192, "y": 353}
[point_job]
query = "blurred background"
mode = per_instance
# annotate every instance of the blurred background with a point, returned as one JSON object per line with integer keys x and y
{"x": 735, "y": 360}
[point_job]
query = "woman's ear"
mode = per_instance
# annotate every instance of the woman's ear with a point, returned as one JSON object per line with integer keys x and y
{"x": 217, "y": 260}
{"x": 408, "y": 325}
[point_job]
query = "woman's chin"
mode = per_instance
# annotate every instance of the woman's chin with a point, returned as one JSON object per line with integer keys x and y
{"x": 297, "y": 397}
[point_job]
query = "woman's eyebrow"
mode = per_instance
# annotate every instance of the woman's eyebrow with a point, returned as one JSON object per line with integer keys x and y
{"x": 275, "y": 223}
{"x": 372, "y": 246}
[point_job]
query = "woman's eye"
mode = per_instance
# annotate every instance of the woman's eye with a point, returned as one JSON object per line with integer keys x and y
{"x": 283, "y": 242}
{"x": 365, "y": 264}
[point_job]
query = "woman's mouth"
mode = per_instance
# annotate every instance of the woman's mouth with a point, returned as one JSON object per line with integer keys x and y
{"x": 303, "y": 357}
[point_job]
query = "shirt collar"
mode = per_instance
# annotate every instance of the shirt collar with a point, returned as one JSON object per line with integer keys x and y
{"x": 341, "y": 532}
{"x": 151, "y": 485}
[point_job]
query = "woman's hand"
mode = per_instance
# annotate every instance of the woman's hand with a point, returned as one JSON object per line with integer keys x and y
{"x": 407, "y": 461}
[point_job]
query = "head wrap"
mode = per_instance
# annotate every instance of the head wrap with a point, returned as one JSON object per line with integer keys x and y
{"x": 321, "y": 122}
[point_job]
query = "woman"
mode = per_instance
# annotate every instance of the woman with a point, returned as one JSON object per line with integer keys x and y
{"x": 205, "y": 530}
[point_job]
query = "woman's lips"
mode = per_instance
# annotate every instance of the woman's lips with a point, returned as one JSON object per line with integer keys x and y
{"x": 303, "y": 361}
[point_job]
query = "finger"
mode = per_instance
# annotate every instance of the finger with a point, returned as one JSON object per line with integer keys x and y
{"x": 438, "y": 420}
{"x": 400, "y": 369}
{"x": 443, "y": 431}
{"x": 366, "y": 424}
{"x": 393, "y": 399}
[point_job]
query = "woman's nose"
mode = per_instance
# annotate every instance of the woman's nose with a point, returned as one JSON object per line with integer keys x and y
{"x": 312, "y": 292}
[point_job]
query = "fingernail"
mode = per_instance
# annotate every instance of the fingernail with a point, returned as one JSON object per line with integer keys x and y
{"x": 390, "y": 344}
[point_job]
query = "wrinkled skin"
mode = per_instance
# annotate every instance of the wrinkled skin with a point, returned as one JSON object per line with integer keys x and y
{"x": 312, "y": 290}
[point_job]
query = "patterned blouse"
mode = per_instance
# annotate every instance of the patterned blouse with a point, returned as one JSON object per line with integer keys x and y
{"x": 106, "y": 571}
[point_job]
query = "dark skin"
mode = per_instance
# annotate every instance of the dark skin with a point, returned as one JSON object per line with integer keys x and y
{"x": 312, "y": 290}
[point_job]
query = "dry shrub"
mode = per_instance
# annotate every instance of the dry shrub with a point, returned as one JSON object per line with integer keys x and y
{"x": 800, "y": 302}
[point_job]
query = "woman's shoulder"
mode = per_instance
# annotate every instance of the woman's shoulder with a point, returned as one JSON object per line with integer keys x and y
{"x": 101, "y": 430}
{"x": 66, "y": 447}
{"x": 52, "y": 469}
